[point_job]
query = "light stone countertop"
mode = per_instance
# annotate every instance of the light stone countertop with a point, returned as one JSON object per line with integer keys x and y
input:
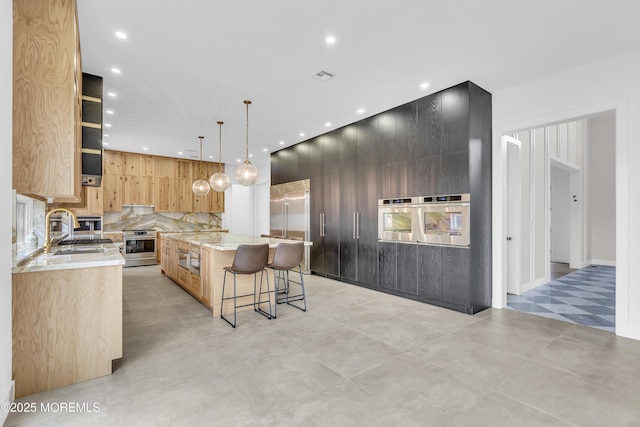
{"x": 48, "y": 262}
{"x": 226, "y": 241}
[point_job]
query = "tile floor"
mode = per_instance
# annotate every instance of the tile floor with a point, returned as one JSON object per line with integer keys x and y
{"x": 585, "y": 296}
{"x": 356, "y": 358}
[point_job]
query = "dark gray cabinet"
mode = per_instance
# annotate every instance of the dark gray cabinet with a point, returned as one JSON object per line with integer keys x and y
{"x": 436, "y": 145}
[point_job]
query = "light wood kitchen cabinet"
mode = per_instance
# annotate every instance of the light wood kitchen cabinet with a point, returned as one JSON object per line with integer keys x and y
{"x": 112, "y": 193}
{"x": 212, "y": 202}
{"x": 163, "y": 182}
{"x": 169, "y": 260}
{"x": 92, "y": 202}
{"x": 206, "y": 270}
{"x": 184, "y": 277}
{"x": 47, "y": 118}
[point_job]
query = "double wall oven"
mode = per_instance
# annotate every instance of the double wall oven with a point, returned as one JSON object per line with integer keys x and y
{"x": 140, "y": 247}
{"x": 435, "y": 220}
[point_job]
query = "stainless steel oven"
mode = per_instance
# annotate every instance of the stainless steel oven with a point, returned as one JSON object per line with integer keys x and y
{"x": 140, "y": 247}
{"x": 397, "y": 219}
{"x": 444, "y": 220}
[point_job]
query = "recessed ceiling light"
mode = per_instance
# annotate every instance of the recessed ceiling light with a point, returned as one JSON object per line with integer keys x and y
{"x": 211, "y": 157}
{"x": 238, "y": 160}
{"x": 360, "y": 111}
{"x": 265, "y": 149}
{"x": 105, "y": 143}
{"x": 106, "y": 135}
{"x": 424, "y": 85}
{"x": 121, "y": 35}
{"x": 180, "y": 152}
{"x": 109, "y": 111}
{"x": 145, "y": 148}
{"x": 301, "y": 134}
{"x": 116, "y": 70}
{"x": 328, "y": 124}
{"x": 281, "y": 142}
{"x": 250, "y": 155}
{"x": 111, "y": 94}
{"x": 107, "y": 125}
{"x": 330, "y": 40}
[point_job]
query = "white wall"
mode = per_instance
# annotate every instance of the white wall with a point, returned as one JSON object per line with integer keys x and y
{"x": 610, "y": 84}
{"x": 6, "y": 82}
{"x": 601, "y": 190}
{"x": 246, "y": 212}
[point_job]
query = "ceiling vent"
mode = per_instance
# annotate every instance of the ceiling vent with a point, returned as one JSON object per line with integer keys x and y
{"x": 323, "y": 76}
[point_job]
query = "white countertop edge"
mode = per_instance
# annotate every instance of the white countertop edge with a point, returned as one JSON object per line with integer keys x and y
{"x": 49, "y": 262}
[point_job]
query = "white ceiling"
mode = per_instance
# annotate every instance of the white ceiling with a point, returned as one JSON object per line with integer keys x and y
{"x": 187, "y": 64}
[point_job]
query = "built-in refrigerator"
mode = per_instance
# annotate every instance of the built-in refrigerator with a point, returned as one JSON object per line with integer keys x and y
{"x": 290, "y": 213}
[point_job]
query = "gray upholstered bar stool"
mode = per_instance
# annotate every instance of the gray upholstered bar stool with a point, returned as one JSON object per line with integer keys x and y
{"x": 287, "y": 257}
{"x": 249, "y": 259}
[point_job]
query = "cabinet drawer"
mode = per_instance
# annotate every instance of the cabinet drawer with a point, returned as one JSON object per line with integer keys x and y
{"x": 196, "y": 288}
{"x": 184, "y": 277}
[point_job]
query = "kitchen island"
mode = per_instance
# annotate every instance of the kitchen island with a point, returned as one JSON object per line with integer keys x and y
{"x": 67, "y": 316}
{"x": 214, "y": 251}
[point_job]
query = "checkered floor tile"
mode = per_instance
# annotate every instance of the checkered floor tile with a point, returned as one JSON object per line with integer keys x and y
{"x": 586, "y": 296}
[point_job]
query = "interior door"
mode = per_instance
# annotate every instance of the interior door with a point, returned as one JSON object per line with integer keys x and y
{"x": 514, "y": 196}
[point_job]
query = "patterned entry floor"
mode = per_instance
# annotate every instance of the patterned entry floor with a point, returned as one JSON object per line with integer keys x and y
{"x": 585, "y": 296}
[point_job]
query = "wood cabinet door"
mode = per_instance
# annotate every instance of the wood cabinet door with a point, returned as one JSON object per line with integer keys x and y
{"x": 131, "y": 164}
{"x": 164, "y": 198}
{"x": 145, "y": 190}
{"x": 130, "y": 190}
{"x": 112, "y": 194}
{"x": 183, "y": 195}
{"x": 112, "y": 163}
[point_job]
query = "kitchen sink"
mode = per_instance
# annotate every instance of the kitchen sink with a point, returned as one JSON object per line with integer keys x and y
{"x": 84, "y": 242}
{"x": 76, "y": 251}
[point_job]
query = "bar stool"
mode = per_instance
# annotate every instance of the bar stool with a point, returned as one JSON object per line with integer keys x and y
{"x": 287, "y": 257}
{"x": 249, "y": 259}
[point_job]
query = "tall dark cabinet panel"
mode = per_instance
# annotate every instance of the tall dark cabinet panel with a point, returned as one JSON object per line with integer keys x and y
{"x": 436, "y": 145}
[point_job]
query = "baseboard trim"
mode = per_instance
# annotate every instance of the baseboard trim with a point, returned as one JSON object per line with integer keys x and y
{"x": 605, "y": 262}
{"x": 9, "y": 398}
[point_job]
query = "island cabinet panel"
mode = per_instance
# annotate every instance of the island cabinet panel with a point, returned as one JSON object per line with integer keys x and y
{"x": 436, "y": 145}
{"x": 47, "y": 133}
{"x": 206, "y": 273}
{"x": 67, "y": 326}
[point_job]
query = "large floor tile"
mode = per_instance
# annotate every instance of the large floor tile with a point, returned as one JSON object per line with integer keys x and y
{"x": 344, "y": 405}
{"x": 469, "y": 361}
{"x": 570, "y": 398}
{"x": 423, "y": 392}
{"x": 496, "y": 410}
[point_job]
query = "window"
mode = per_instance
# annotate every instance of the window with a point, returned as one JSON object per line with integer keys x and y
{"x": 24, "y": 218}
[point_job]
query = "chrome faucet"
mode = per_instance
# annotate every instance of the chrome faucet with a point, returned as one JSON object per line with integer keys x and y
{"x": 47, "y": 225}
{"x": 184, "y": 218}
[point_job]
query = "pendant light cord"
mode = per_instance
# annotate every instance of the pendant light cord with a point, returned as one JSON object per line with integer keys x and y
{"x": 247, "y": 102}
{"x": 220, "y": 149}
{"x": 201, "y": 138}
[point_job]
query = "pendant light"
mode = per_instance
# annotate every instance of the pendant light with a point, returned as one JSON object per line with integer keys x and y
{"x": 201, "y": 187}
{"x": 220, "y": 181}
{"x": 246, "y": 174}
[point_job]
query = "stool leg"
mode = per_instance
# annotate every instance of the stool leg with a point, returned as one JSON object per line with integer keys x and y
{"x": 258, "y": 309}
{"x": 304, "y": 296}
{"x": 224, "y": 281}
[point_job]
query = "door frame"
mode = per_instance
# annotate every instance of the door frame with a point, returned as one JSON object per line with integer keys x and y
{"x": 510, "y": 246}
{"x": 621, "y": 108}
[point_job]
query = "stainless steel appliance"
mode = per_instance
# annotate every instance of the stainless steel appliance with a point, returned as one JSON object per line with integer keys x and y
{"x": 289, "y": 213}
{"x": 397, "y": 219}
{"x": 444, "y": 220}
{"x": 90, "y": 227}
{"x": 140, "y": 247}
{"x": 194, "y": 260}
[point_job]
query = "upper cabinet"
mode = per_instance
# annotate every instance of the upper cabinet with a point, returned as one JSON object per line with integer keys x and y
{"x": 47, "y": 88}
{"x": 164, "y": 182}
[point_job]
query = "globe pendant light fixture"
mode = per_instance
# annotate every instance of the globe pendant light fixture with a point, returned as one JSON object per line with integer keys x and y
{"x": 201, "y": 187}
{"x": 246, "y": 174}
{"x": 220, "y": 181}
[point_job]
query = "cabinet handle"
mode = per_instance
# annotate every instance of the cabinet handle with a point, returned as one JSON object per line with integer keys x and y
{"x": 355, "y": 226}
{"x": 358, "y": 225}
